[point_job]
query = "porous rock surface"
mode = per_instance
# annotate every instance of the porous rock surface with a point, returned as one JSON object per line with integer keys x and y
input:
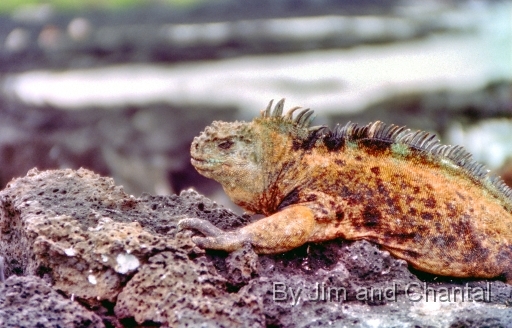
{"x": 31, "y": 302}
{"x": 121, "y": 258}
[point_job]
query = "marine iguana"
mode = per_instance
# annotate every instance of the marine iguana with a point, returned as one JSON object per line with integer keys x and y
{"x": 426, "y": 203}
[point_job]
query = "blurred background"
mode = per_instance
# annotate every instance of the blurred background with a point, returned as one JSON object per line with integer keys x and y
{"x": 122, "y": 86}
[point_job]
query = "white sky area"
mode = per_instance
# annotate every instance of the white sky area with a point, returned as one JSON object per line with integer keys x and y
{"x": 327, "y": 80}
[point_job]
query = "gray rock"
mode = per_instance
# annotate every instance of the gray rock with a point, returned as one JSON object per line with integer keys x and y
{"x": 30, "y": 302}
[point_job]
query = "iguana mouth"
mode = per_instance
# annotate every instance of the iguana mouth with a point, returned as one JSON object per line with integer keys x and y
{"x": 204, "y": 164}
{"x": 197, "y": 162}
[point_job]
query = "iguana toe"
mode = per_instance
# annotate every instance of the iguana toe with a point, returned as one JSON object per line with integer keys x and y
{"x": 215, "y": 237}
{"x": 203, "y": 226}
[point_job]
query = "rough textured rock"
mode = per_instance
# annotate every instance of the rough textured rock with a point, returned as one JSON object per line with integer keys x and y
{"x": 172, "y": 289}
{"x": 123, "y": 258}
{"x": 31, "y": 302}
{"x": 88, "y": 238}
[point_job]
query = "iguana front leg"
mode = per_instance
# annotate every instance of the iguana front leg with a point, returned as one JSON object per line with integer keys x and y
{"x": 277, "y": 233}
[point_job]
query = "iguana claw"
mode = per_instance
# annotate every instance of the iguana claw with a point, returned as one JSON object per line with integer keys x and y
{"x": 215, "y": 237}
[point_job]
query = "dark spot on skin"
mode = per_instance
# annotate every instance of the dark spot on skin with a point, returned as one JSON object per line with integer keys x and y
{"x": 442, "y": 241}
{"x": 332, "y": 203}
{"x": 401, "y": 237}
{"x": 324, "y": 211}
{"x": 286, "y": 166}
{"x": 430, "y": 202}
{"x": 369, "y": 194}
{"x": 345, "y": 191}
{"x": 296, "y": 145}
{"x": 477, "y": 253}
{"x": 504, "y": 255}
{"x": 450, "y": 239}
{"x": 438, "y": 241}
{"x": 311, "y": 198}
{"x": 418, "y": 237}
{"x": 375, "y": 146}
{"x": 394, "y": 204}
{"x": 311, "y": 140}
{"x": 427, "y": 216}
{"x": 380, "y": 187}
{"x": 351, "y": 201}
{"x": 359, "y": 158}
{"x": 339, "y": 162}
{"x": 375, "y": 170}
{"x": 353, "y": 173}
{"x": 470, "y": 243}
{"x": 451, "y": 208}
{"x": 371, "y": 216}
{"x": 460, "y": 195}
{"x": 291, "y": 198}
{"x": 411, "y": 254}
{"x": 416, "y": 190}
{"x": 413, "y": 211}
{"x": 340, "y": 215}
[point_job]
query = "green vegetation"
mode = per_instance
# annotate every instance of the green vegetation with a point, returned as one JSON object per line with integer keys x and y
{"x": 11, "y": 5}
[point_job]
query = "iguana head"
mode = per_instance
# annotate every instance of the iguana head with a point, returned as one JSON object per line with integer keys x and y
{"x": 224, "y": 148}
{"x": 230, "y": 154}
{"x": 243, "y": 156}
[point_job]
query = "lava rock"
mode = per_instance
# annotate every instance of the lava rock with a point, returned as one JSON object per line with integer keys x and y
{"x": 31, "y": 302}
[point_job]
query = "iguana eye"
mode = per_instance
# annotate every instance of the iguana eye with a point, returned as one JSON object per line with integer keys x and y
{"x": 226, "y": 144}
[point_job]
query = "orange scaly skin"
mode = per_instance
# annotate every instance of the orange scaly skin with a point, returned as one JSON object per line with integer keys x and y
{"x": 426, "y": 203}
